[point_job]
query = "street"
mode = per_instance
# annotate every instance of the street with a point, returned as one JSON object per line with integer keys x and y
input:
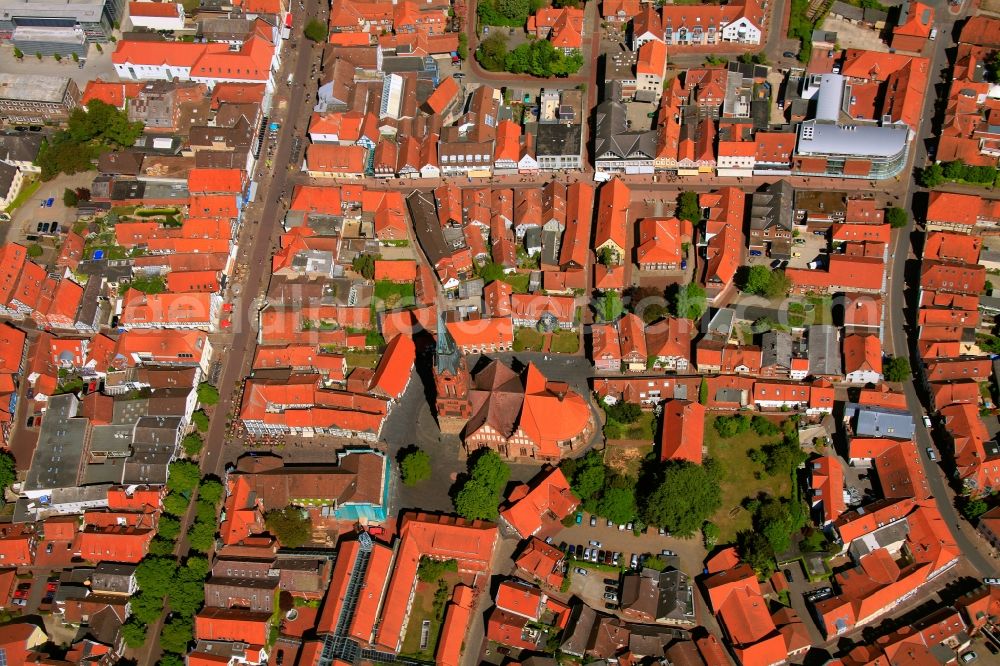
{"x": 897, "y": 325}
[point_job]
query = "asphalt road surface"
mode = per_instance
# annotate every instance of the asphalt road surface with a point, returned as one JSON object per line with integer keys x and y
{"x": 896, "y": 331}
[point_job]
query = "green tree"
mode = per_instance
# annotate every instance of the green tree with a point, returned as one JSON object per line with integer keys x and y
{"x": 731, "y": 426}
{"x": 972, "y": 507}
{"x": 35, "y": 250}
{"x": 76, "y": 57}
{"x": 492, "y": 52}
{"x": 431, "y": 571}
{"x": 463, "y": 46}
{"x": 155, "y": 575}
{"x": 169, "y": 659}
{"x": 176, "y": 635}
{"x": 168, "y": 528}
{"x": 686, "y": 496}
{"x": 762, "y": 281}
{"x": 187, "y": 596}
{"x": 175, "y": 504}
{"x": 415, "y": 467}
{"x": 210, "y": 490}
{"x": 896, "y": 217}
{"x": 315, "y": 30}
{"x": 208, "y": 394}
{"x": 589, "y": 481}
{"x": 689, "y": 301}
{"x": 195, "y": 567}
{"x": 365, "y": 265}
{"x": 623, "y": 412}
{"x": 201, "y": 536}
{"x": 148, "y": 284}
{"x": 69, "y": 198}
{"x": 897, "y": 369}
{"x": 931, "y": 175}
{"x": 8, "y": 472}
{"x": 490, "y": 469}
{"x": 992, "y": 68}
{"x": 710, "y": 534}
{"x": 134, "y": 633}
{"x": 183, "y": 477}
{"x": 146, "y": 607}
{"x": 476, "y": 500}
{"x": 18, "y": 53}
{"x": 161, "y": 546}
{"x": 200, "y": 420}
{"x": 516, "y": 10}
{"x": 291, "y": 525}
{"x": 688, "y": 207}
{"x": 703, "y": 392}
{"x": 192, "y": 443}
{"x": 618, "y": 505}
{"x": 755, "y": 550}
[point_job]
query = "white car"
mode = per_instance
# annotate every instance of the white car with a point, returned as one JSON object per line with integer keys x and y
{"x": 991, "y": 581}
{"x": 586, "y": 553}
{"x": 927, "y": 421}
{"x": 595, "y": 544}
{"x": 581, "y": 571}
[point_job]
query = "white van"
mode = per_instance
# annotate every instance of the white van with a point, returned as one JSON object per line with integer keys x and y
{"x": 933, "y": 34}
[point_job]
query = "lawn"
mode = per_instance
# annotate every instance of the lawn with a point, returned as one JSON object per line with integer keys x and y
{"x": 528, "y": 339}
{"x": 641, "y": 429}
{"x": 26, "y": 193}
{"x": 815, "y": 310}
{"x": 565, "y": 342}
{"x": 738, "y": 480}
{"x": 518, "y": 282}
{"x": 362, "y": 359}
{"x": 389, "y": 295}
{"x": 423, "y": 609}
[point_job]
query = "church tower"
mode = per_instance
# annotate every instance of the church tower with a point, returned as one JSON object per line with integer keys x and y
{"x": 452, "y": 380}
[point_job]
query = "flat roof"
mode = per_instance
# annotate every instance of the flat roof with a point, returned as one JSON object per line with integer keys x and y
{"x": 58, "y": 455}
{"x": 33, "y": 87}
{"x": 885, "y": 141}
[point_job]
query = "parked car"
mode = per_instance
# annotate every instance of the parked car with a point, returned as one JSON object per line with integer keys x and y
{"x": 579, "y": 517}
{"x": 621, "y": 528}
{"x": 595, "y": 543}
{"x": 776, "y": 264}
{"x": 548, "y": 540}
{"x": 600, "y": 556}
{"x": 611, "y": 581}
{"x": 615, "y": 558}
{"x": 610, "y": 588}
{"x": 931, "y": 454}
{"x": 991, "y": 581}
{"x": 610, "y": 596}
{"x": 667, "y": 553}
{"x": 572, "y": 550}
{"x": 799, "y": 241}
{"x": 610, "y": 524}
{"x": 20, "y": 602}
{"x": 634, "y": 562}
{"x": 593, "y": 555}
{"x": 49, "y": 202}
{"x": 969, "y": 657}
{"x": 927, "y": 421}
{"x": 586, "y": 553}
{"x": 581, "y": 571}
{"x": 788, "y": 54}
{"x": 593, "y": 521}
{"x": 610, "y": 606}
{"x": 661, "y": 532}
{"x": 788, "y": 576}
{"x": 629, "y": 526}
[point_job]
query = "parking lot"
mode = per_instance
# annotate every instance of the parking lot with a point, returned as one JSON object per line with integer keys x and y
{"x": 807, "y": 246}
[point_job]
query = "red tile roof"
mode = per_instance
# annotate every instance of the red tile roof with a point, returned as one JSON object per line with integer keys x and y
{"x": 539, "y": 508}
{"x": 404, "y": 270}
{"x": 682, "y": 434}
{"x": 828, "y": 487}
{"x": 520, "y": 599}
{"x": 233, "y": 625}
